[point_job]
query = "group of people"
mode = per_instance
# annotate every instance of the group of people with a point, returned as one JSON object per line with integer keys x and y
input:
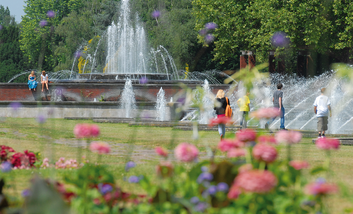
{"x": 322, "y": 109}
{"x": 32, "y": 81}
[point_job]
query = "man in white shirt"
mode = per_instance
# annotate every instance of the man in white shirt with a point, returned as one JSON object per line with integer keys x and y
{"x": 322, "y": 107}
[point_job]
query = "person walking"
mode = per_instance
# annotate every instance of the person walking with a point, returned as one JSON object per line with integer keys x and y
{"x": 244, "y": 108}
{"x": 221, "y": 103}
{"x": 277, "y": 100}
{"x": 322, "y": 107}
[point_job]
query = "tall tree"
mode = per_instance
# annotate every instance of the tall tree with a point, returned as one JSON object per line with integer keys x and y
{"x": 37, "y": 37}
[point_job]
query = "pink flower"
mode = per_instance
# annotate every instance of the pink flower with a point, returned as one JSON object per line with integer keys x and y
{"x": 246, "y": 135}
{"x": 298, "y": 165}
{"x": 161, "y": 151}
{"x": 86, "y": 131}
{"x": 225, "y": 144}
{"x": 264, "y": 152}
{"x": 220, "y": 120}
{"x": 100, "y": 147}
{"x": 267, "y": 139}
{"x": 266, "y": 113}
{"x": 245, "y": 168}
{"x": 327, "y": 143}
{"x": 235, "y": 153}
{"x": 234, "y": 192}
{"x": 318, "y": 188}
{"x": 288, "y": 137}
{"x": 94, "y": 130}
{"x": 256, "y": 181}
{"x": 186, "y": 152}
{"x": 45, "y": 163}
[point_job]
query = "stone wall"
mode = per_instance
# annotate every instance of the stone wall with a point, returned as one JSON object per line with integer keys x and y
{"x": 90, "y": 91}
{"x": 77, "y": 109}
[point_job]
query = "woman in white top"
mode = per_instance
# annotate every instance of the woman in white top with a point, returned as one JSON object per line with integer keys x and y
{"x": 44, "y": 80}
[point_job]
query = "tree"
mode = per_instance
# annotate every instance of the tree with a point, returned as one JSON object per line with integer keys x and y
{"x": 320, "y": 26}
{"x": 37, "y": 36}
{"x": 12, "y": 61}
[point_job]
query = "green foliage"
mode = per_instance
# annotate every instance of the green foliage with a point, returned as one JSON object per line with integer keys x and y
{"x": 37, "y": 43}
{"x": 249, "y": 25}
{"x": 12, "y": 61}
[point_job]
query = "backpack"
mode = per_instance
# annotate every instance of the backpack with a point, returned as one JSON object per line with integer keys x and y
{"x": 229, "y": 111}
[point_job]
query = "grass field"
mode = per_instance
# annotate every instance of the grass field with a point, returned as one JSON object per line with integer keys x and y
{"x": 27, "y": 134}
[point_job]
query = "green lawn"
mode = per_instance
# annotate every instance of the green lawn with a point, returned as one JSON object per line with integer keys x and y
{"x": 27, "y": 134}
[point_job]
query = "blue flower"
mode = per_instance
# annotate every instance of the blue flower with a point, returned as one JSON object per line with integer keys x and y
{"x": 280, "y": 39}
{"x": 133, "y": 179}
{"x": 43, "y": 23}
{"x": 143, "y": 80}
{"x": 156, "y": 14}
{"x": 212, "y": 190}
{"x": 51, "y": 14}
{"x": 205, "y": 176}
{"x": 209, "y": 38}
{"x": 129, "y": 165}
{"x": 203, "y": 32}
{"x": 222, "y": 187}
{"x": 78, "y": 54}
{"x": 15, "y": 105}
{"x": 194, "y": 200}
{"x": 6, "y": 166}
{"x": 204, "y": 169}
{"x": 211, "y": 26}
{"x": 320, "y": 180}
{"x": 41, "y": 118}
{"x": 26, "y": 193}
{"x": 200, "y": 207}
{"x": 105, "y": 188}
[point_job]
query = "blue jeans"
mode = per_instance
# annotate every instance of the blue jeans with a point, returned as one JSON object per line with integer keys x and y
{"x": 243, "y": 122}
{"x": 282, "y": 119}
{"x": 221, "y": 129}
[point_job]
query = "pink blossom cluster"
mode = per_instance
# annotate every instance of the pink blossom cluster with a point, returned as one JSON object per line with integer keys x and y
{"x": 320, "y": 188}
{"x": 246, "y": 135}
{"x": 266, "y": 113}
{"x": 68, "y": 164}
{"x": 161, "y": 151}
{"x": 288, "y": 137}
{"x": 327, "y": 143}
{"x": 186, "y": 152}
{"x": 264, "y": 152}
{"x": 220, "y": 120}
{"x": 267, "y": 139}
{"x": 236, "y": 153}
{"x": 256, "y": 181}
{"x": 99, "y": 147}
{"x": 45, "y": 163}
{"x": 86, "y": 130}
{"x": 226, "y": 144}
{"x": 298, "y": 164}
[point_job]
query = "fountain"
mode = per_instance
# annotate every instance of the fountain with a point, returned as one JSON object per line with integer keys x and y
{"x": 161, "y": 105}
{"x": 127, "y": 100}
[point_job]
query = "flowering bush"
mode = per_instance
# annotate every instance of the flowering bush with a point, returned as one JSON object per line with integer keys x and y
{"x": 249, "y": 178}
